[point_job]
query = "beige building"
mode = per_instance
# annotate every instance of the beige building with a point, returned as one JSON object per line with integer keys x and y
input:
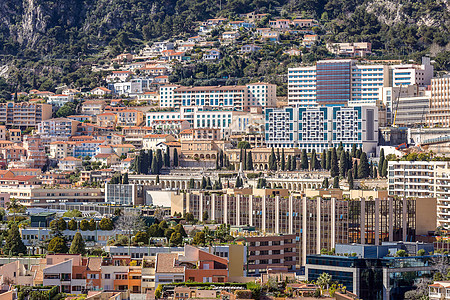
{"x": 62, "y": 149}
{"x": 70, "y": 164}
{"x": 24, "y": 113}
{"x": 150, "y": 141}
{"x": 440, "y": 102}
{"x": 130, "y": 117}
{"x": 107, "y": 119}
{"x": 93, "y": 107}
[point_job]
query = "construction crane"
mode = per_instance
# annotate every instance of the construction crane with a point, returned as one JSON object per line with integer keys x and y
{"x": 396, "y": 106}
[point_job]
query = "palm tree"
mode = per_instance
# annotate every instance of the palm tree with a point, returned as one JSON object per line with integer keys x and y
{"x": 15, "y": 207}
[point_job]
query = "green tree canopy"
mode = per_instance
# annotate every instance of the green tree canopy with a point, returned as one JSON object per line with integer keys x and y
{"x": 14, "y": 244}
{"x": 57, "y": 245}
{"x": 78, "y": 246}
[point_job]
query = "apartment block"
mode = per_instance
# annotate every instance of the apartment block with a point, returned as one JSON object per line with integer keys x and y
{"x": 425, "y": 179}
{"x": 223, "y": 97}
{"x": 318, "y": 223}
{"x": 57, "y": 127}
{"x": 439, "y": 102}
{"x": 24, "y": 113}
{"x": 320, "y": 128}
{"x": 271, "y": 251}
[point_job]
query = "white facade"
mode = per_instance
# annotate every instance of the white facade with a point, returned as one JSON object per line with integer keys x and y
{"x": 302, "y": 86}
{"x": 262, "y": 94}
{"x": 320, "y": 128}
{"x": 166, "y": 95}
{"x": 413, "y": 74}
{"x": 423, "y": 179}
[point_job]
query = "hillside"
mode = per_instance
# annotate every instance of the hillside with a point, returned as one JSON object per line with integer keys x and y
{"x": 46, "y": 43}
{"x": 65, "y": 28}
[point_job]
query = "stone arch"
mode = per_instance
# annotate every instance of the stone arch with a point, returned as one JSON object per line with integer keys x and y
{"x": 213, "y": 156}
{"x": 152, "y": 182}
{"x": 289, "y": 186}
{"x": 207, "y": 156}
{"x": 266, "y": 166}
{"x": 309, "y": 185}
{"x": 304, "y": 187}
{"x": 202, "y": 156}
{"x": 269, "y": 185}
{"x": 314, "y": 186}
{"x": 183, "y": 185}
{"x": 196, "y": 156}
{"x": 163, "y": 184}
{"x": 294, "y": 186}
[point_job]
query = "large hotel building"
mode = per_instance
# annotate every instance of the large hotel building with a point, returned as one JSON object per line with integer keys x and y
{"x": 344, "y": 81}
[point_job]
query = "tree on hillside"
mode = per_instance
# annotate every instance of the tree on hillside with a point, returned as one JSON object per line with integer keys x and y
{"x": 325, "y": 183}
{"x": 272, "y": 161}
{"x": 167, "y": 159}
{"x": 249, "y": 161}
{"x": 304, "y": 160}
{"x": 175, "y": 157}
{"x": 323, "y": 160}
{"x": 363, "y": 168}
{"x": 78, "y": 246}
{"x": 343, "y": 164}
{"x": 384, "y": 169}
{"x": 57, "y": 245}
{"x": 334, "y": 171}
{"x": 14, "y": 244}
{"x": 72, "y": 225}
{"x": 336, "y": 182}
{"x": 106, "y": 224}
{"x": 283, "y": 161}
{"x": 350, "y": 180}
{"x": 328, "y": 162}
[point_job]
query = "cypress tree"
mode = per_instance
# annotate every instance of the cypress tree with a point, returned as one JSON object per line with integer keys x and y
{"x": 191, "y": 183}
{"x": 336, "y": 182}
{"x": 283, "y": 161}
{"x": 125, "y": 178}
{"x": 150, "y": 161}
{"x": 249, "y": 161}
{"x": 350, "y": 180}
{"x": 353, "y": 153}
{"x": 208, "y": 183}
{"x": 382, "y": 158}
{"x": 384, "y": 169}
{"x": 328, "y": 160}
{"x": 304, "y": 160}
{"x": 278, "y": 155}
{"x": 358, "y": 153}
{"x": 343, "y": 164}
{"x": 14, "y": 244}
{"x": 375, "y": 172}
{"x": 334, "y": 171}
{"x": 272, "y": 161}
{"x": 288, "y": 163}
{"x": 323, "y": 160}
{"x": 312, "y": 163}
{"x": 325, "y": 183}
{"x": 363, "y": 168}
{"x": 370, "y": 170}
{"x": 294, "y": 163}
{"x": 159, "y": 159}
{"x": 217, "y": 163}
{"x": 78, "y": 246}
{"x": 349, "y": 161}
{"x": 175, "y": 157}
{"x": 155, "y": 166}
{"x": 244, "y": 160}
{"x": 167, "y": 159}
{"x": 204, "y": 183}
{"x": 221, "y": 162}
{"x": 355, "y": 170}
